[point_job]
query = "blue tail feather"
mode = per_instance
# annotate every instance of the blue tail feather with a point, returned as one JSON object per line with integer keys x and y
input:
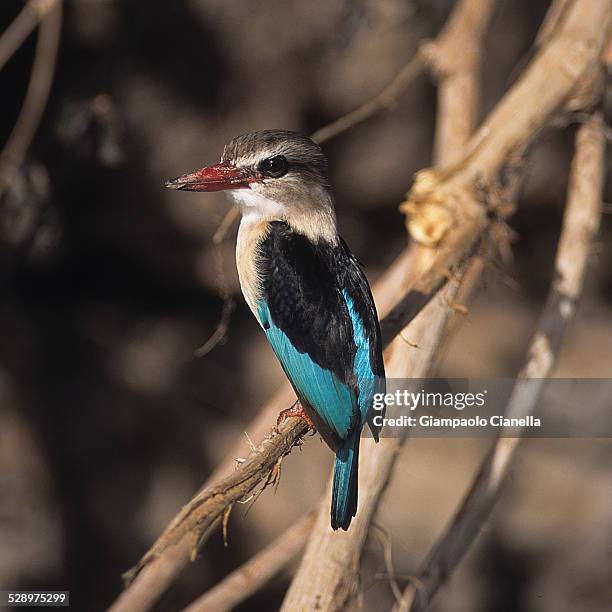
{"x": 344, "y": 491}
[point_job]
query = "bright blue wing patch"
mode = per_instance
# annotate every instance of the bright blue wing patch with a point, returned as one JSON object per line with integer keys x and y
{"x": 334, "y": 401}
{"x": 367, "y": 382}
{"x": 320, "y": 388}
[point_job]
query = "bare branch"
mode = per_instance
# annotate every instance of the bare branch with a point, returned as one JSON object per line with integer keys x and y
{"x": 155, "y": 578}
{"x": 259, "y": 468}
{"x": 29, "y": 17}
{"x": 554, "y": 16}
{"x": 557, "y": 73}
{"x": 455, "y": 58}
{"x": 39, "y": 87}
{"x": 327, "y": 574}
{"x": 580, "y": 224}
{"x": 577, "y": 28}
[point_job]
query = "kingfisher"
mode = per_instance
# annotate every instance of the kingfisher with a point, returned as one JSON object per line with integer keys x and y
{"x": 306, "y": 290}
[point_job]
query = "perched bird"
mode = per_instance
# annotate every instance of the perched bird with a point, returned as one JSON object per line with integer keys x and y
{"x": 305, "y": 288}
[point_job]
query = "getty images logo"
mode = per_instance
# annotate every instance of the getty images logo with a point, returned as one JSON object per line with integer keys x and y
{"x": 428, "y": 399}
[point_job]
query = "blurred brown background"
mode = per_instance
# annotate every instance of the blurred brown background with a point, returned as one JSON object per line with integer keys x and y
{"x": 108, "y": 423}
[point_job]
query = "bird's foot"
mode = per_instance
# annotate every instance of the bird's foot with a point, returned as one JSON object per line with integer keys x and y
{"x": 297, "y": 410}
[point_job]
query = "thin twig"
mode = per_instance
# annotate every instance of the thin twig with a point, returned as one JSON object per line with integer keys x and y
{"x": 384, "y": 100}
{"x": 580, "y": 224}
{"x": 231, "y": 216}
{"x": 229, "y": 304}
{"x": 220, "y": 332}
{"x": 38, "y": 91}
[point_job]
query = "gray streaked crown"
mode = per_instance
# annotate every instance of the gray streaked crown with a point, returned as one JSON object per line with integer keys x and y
{"x": 305, "y": 158}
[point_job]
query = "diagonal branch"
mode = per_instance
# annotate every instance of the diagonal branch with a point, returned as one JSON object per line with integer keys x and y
{"x": 261, "y": 467}
{"x": 160, "y": 572}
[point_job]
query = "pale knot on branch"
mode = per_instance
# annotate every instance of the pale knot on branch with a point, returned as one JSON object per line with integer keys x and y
{"x": 429, "y": 213}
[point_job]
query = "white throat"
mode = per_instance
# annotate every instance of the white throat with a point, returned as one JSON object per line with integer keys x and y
{"x": 314, "y": 222}
{"x": 252, "y": 203}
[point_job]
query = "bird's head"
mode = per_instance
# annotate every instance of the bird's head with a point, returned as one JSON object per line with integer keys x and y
{"x": 272, "y": 175}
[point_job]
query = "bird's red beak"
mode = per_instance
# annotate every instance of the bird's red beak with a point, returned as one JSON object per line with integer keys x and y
{"x": 214, "y": 178}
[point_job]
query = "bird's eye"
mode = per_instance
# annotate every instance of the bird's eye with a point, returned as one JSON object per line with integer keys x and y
{"x": 274, "y": 167}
